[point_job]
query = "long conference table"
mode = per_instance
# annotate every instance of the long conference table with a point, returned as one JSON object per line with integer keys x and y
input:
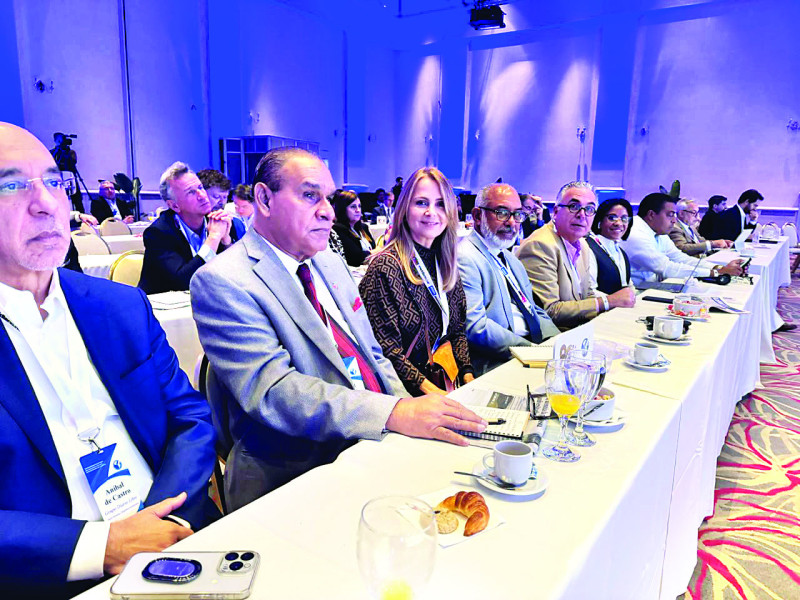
{"x": 620, "y": 523}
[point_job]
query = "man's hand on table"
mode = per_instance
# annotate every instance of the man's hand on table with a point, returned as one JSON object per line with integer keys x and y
{"x": 624, "y": 298}
{"x": 143, "y": 532}
{"x": 434, "y": 417}
{"x": 733, "y": 268}
{"x": 128, "y": 219}
{"x": 721, "y": 244}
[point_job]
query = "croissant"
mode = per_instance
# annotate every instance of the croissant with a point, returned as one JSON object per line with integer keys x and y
{"x": 472, "y": 506}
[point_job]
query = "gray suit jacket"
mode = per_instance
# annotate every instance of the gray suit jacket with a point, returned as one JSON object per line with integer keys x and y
{"x": 569, "y": 302}
{"x": 290, "y": 401}
{"x": 685, "y": 243}
{"x": 490, "y": 321}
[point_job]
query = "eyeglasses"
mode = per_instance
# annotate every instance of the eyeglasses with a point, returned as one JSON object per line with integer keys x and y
{"x": 575, "y": 208}
{"x": 691, "y": 212}
{"x": 503, "y": 214}
{"x": 64, "y": 181}
{"x": 614, "y": 218}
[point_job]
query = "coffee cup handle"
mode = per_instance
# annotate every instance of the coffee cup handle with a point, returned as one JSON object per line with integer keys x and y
{"x": 485, "y": 458}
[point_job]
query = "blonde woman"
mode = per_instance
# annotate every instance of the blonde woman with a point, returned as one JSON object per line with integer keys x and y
{"x": 412, "y": 290}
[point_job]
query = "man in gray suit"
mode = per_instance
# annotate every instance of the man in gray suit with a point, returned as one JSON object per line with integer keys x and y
{"x": 500, "y": 309}
{"x": 289, "y": 342}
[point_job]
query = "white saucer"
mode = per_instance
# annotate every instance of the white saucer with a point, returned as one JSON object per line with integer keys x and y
{"x": 630, "y": 362}
{"x": 616, "y": 422}
{"x": 699, "y": 319}
{"x": 533, "y": 487}
{"x": 684, "y": 340}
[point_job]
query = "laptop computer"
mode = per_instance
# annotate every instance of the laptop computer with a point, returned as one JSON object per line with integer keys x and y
{"x": 738, "y": 243}
{"x": 674, "y": 288}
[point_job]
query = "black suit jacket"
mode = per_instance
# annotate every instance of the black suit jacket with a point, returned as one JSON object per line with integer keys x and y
{"x": 608, "y": 280}
{"x": 168, "y": 261}
{"x": 354, "y": 254}
{"x": 728, "y": 224}
{"x": 102, "y": 211}
{"x": 706, "y": 227}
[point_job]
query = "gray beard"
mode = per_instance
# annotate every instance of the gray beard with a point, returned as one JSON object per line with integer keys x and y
{"x": 492, "y": 240}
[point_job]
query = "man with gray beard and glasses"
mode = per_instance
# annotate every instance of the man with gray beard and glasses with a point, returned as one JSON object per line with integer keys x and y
{"x": 500, "y": 309}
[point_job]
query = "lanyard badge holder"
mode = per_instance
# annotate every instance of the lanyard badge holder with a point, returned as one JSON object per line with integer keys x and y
{"x": 105, "y": 468}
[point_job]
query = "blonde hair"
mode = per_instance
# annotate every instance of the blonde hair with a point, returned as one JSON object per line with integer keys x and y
{"x": 400, "y": 237}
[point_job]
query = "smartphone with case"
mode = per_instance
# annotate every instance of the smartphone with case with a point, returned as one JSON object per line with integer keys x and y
{"x": 187, "y": 576}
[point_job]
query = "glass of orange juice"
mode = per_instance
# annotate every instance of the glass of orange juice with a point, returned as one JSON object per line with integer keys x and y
{"x": 396, "y": 547}
{"x": 565, "y": 383}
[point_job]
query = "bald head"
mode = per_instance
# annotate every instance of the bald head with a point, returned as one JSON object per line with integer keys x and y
{"x": 34, "y": 216}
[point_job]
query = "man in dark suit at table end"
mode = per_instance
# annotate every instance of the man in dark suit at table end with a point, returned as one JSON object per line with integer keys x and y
{"x": 77, "y": 377}
{"x": 185, "y": 236}
{"x": 729, "y": 224}
{"x": 300, "y": 371}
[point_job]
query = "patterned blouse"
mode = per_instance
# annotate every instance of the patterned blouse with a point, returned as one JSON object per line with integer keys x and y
{"x": 395, "y": 307}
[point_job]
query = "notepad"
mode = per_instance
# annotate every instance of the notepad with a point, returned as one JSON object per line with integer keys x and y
{"x": 512, "y": 429}
{"x": 535, "y": 357}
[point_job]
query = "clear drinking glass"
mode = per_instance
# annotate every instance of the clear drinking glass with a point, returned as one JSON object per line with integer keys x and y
{"x": 595, "y": 364}
{"x": 396, "y": 547}
{"x": 565, "y": 383}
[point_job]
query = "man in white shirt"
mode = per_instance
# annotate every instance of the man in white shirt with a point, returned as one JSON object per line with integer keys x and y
{"x": 287, "y": 336}
{"x": 684, "y": 233}
{"x": 653, "y": 256}
{"x": 501, "y": 311}
{"x": 96, "y": 418}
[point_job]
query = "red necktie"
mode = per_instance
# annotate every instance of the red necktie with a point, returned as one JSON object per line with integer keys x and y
{"x": 344, "y": 344}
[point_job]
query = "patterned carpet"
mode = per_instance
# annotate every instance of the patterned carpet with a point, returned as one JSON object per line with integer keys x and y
{"x": 750, "y": 548}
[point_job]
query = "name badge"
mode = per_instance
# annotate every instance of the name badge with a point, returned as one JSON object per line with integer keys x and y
{"x": 353, "y": 370}
{"x": 111, "y": 483}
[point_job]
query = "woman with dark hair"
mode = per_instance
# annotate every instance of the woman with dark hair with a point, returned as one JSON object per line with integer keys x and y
{"x": 413, "y": 293}
{"x": 352, "y": 231}
{"x": 611, "y": 269}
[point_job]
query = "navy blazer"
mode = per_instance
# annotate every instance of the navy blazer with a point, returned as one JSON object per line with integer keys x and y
{"x": 102, "y": 211}
{"x": 167, "y": 420}
{"x": 168, "y": 262}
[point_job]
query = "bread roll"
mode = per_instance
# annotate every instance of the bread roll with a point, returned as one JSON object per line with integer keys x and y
{"x": 471, "y": 505}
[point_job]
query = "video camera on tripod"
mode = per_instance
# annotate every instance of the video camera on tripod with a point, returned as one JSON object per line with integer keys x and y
{"x": 63, "y": 154}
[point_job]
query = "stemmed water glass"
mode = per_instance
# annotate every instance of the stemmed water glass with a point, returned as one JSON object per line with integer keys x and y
{"x": 595, "y": 364}
{"x": 396, "y": 546}
{"x": 565, "y": 383}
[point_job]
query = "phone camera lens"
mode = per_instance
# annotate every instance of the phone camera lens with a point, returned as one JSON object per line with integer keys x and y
{"x": 231, "y": 556}
{"x": 247, "y": 556}
{"x": 235, "y": 566}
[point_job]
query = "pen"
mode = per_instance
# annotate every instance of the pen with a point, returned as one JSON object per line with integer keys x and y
{"x": 497, "y": 422}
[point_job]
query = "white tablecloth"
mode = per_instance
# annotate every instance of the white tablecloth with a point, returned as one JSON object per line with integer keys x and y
{"x": 97, "y": 265}
{"x": 122, "y": 243}
{"x": 138, "y": 227}
{"x": 180, "y": 329}
{"x": 620, "y": 523}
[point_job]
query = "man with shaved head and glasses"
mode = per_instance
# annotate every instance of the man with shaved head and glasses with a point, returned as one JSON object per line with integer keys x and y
{"x": 96, "y": 417}
{"x": 501, "y": 311}
{"x": 294, "y": 363}
{"x": 557, "y": 259}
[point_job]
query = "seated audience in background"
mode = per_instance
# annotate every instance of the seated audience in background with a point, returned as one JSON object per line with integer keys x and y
{"x": 610, "y": 270}
{"x": 243, "y": 201}
{"x": 352, "y": 231}
{"x": 92, "y": 379}
{"x": 412, "y": 291}
{"x": 536, "y": 212}
{"x": 106, "y": 205}
{"x": 557, "y": 259}
{"x": 185, "y": 236}
{"x": 288, "y": 339}
{"x": 653, "y": 255}
{"x": 716, "y": 204}
{"x": 385, "y": 205}
{"x": 71, "y": 262}
{"x": 500, "y": 309}
{"x": 730, "y": 223}
{"x": 684, "y": 235}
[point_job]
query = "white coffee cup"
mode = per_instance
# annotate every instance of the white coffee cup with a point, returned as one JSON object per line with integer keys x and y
{"x": 381, "y": 220}
{"x": 670, "y": 328}
{"x": 512, "y": 461}
{"x": 645, "y": 353}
